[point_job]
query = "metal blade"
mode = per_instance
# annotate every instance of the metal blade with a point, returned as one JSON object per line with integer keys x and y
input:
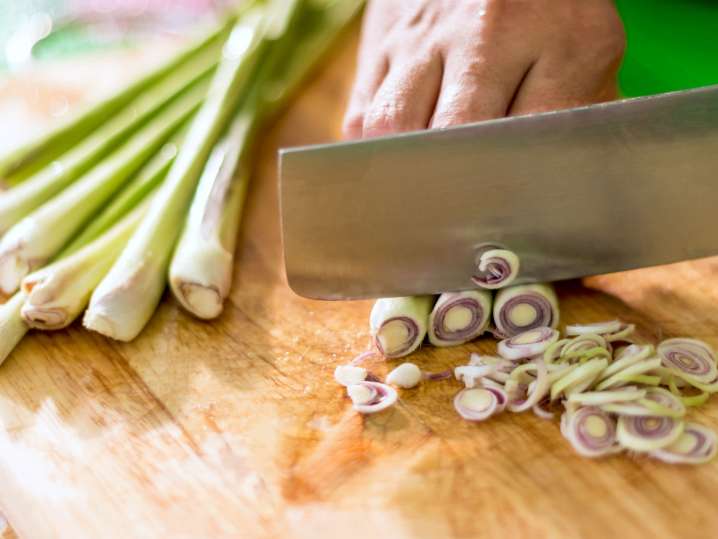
{"x": 578, "y": 192}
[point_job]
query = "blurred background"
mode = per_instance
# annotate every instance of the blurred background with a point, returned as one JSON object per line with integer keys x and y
{"x": 49, "y": 29}
{"x": 672, "y": 44}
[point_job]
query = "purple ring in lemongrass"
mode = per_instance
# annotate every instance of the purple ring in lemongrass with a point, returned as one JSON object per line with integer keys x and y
{"x": 591, "y": 431}
{"x": 476, "y": 404}
{"x": 696, "y": 445}
{"x": 495, "y": 268}
{"x": 644, "y": 433}
{"x": 533, "y": 342}
{"x": 525, "y": 307}
{"x": 689, "y": 357}
{"x": 459, "y": 317}
{"x": 372, "y": 397}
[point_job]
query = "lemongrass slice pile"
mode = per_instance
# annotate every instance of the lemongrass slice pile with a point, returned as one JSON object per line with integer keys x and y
{"x": 399, "y": 325}
{"x": 459, "y": 317}
{"x": 524, "y": 307}
{"x": 496, "y": 268}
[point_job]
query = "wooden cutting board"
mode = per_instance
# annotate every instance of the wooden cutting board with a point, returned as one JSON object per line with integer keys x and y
{"x": 236, "y": 428}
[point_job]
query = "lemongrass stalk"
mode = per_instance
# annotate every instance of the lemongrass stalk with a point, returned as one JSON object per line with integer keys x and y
{"x": 124, "y": 301}
{"x": 201, "y": 268}
{"x": 37, "y": 238}
{"x": 12, "y": 327}
{"x": 520, "y": 308}
{"x": 19, "y": 164}
{"x": 146, "y": 181}
{"x": 398, "y": 325}
{"x": 18, "y": 202}
{"x": 58, "y": 293}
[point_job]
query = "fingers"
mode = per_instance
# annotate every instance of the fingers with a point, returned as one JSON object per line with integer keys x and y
{"x": 369, "y": 78}
{"x": 405, "y": 100}
{"x": 555, "y": 83}
{"x": 475, "y": 89}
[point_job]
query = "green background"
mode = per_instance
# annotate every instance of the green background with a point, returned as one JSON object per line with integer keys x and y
{"x": 672, "y": 45}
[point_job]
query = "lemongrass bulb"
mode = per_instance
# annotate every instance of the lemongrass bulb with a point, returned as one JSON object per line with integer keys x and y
{"x": 459, "y": 317}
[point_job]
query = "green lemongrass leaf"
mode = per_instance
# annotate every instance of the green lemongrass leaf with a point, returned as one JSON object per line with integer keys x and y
{"x": 124, "y": 301}
{"x": 31, "y": 157}
{"x": 40, "y": 236}
{"x": 18, "y": 202}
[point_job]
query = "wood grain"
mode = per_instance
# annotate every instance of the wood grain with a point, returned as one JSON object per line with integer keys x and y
{"x": 236, "y": 429}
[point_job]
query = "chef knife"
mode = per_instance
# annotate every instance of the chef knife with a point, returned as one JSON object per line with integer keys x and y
{"x": 577, "y": 192}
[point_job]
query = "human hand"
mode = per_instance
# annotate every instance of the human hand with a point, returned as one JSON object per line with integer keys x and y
{"x": 437, "y": 63}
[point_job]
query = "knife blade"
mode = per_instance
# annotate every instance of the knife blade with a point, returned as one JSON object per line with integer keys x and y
{"x": 577, "y": 192}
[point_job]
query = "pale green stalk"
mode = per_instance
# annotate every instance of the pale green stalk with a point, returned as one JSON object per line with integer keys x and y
{"x": 29, "y": 158}
{"x": 201, "y": 268}
{"x": 124, "y": 301}
{"x": 18, "y": 202}
{"x": 58, "y": 293}
{"x": 36, "y": 239}
{"x": 146, "y": 181}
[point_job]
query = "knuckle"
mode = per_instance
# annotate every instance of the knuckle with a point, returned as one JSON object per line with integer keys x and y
{"x": 352, "y": 125}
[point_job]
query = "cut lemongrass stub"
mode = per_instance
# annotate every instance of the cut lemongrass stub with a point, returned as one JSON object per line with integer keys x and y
{"x": 125, "y": 300}
{"x": 696, "y": 445}
{"x": 459, "y": 317}
{"x": 524, "y": 307}
{"x": 406, "y": 375}
{"x": 38, "y": 237}
{"x": 527, "y": 344}
{"x": 689, "y": 357}
{"x": 641, "y": 433}
{"x": 476, "y": 404}
{"x": 348, "y": 375}
{"x": 12, "y": 327}
{"x": 496, "y": 268}
{"x": 399, "y": 325}
{"x": 58, "y": 293}
{"x": 591, "y": 431}
{"x": 371, "y": 397}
